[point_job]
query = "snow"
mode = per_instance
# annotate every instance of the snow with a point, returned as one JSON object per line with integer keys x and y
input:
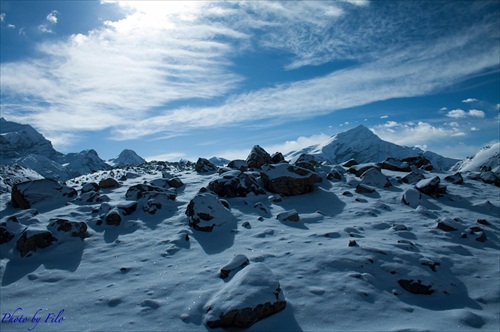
{"x": 489, "y": 156}
{"x": 125, "y": 158}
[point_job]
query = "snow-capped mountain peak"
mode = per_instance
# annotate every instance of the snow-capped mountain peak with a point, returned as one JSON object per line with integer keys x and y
{"x": 488, "y": 156}
{"x": 126, "y": 158}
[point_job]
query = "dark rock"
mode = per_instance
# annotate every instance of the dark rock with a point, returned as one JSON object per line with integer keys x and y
{"x": 113, "y": 218}
{"x": 145, "y": 191}
{"x": 204, "y": 166}
{"x": 363, "y": 189}
{"x": 431, "y": 186}
{"x": 350, "y": 163}
{"x": 73, "y": 228}
{"x": 334, "y": 175}
{"x": 288, "y": 180}
{"x": 490, "y": 177}
{"x": 483, "y": 222}
{"x": 31, "y": 240}
{"x": 358, "y": 170}
{"x": 415, "y": 287}
{"x": 240, "y": 165}
{"x": 482, "y": 237}
{"x": 412, "y": 177}
{"x": 108, "y": 183}
{"x": 396, "y": 165}
{"x": 235, "y": 184}
{"x": 258, "y": 157}
{"x": 236, "y": 263}
{"x": 246, "y": 225}
{"x": 253, "y": 294}
{"x": 420, "y": 162}
{"x": 127, "y": 208}
{"x": 306, "y": 161}
{"x": 455, "y": 178}
{"x": 89, "y": 187}
{"x": 445, "y": 227}
{"x": 25, "y": 194}
{"x": 291, "y": 215}
{"x": 352, "y": 243}
{"x": 205, "y": 211}
{"x": 277, "y": 158}
{"x": 373, "y": 177}
{"x": 5, "y": 235}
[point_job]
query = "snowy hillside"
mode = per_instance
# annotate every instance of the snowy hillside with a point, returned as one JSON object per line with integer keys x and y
{"x": 127, "y": 158}
{"x": 273, "y": 246}
{"x": 364, "y": 146}
{"x": 488, "y": 156}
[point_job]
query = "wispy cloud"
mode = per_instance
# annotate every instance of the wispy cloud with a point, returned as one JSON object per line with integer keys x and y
{"x": 469, "y": 100}
{"x": 51, "y": 21}
{"x": 2, "y": 17}
{"x": 52, "y": 17}
{"x": 459, "y": 113}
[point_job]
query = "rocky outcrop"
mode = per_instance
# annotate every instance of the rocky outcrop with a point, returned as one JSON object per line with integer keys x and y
{"x": 253, "y": 294}
{"x": 68, "y": 228}
{"x": 204, "y": 166}
{"x": 419, "y": 162}
{"x": 240, "y": 165}
{"x": 205, "y": 211}
{"x": 431, "y": 187}
{"x": 393, "y": 164}
{"x": 108, "y": 183}
{"x": 364, "y": 189}
{"x": 31, "y": 240}
{"x": 258, "y": 157}
{"x": 455, "y": 178}
{"x": 306, "y": 161}
{"x": 291, "y": 215}
{"x": 412, "y": 177}
{"x": 358, "y": 170}
{"x": 26, "y": 194}
{"x": 288, "y": 180}
{"x": 235, "y": 184}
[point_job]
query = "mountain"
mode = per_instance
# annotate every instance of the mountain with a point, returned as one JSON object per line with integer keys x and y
{"x": 126, "y": 158}
{"x": 84, "y": 162}
{"x": 19, "y": 140}
{"x": 488, "y": 156}
{"x": 219, "y": 161}
{"x": 361, "y": 144}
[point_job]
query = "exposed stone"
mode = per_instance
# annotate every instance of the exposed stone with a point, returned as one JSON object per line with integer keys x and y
{"x": 415, "y": 287}
{"x": 334, "y": 175}
{"x": 290, "y": 215}
{"x": 373, "y": 177}
{"x": 5, "y": 235}
{"x": 113, "y": 218}
{"x": 455, "y": 178}
{"x": 72, "y": 228}
{"x": 145, "y": 191}
{"x": 412, "y": 177}
{"x": 352, "y": 243}
{"x": 277, "y": 158}
{"x": 288, "y": 180}
{"x": 205, "y": 211}
{"x": 235, "y": 184}
{"x": 396, "y": 165}
{"x": 490, "y": 177}
{"x": 204, "y": 166}
{"x": 350, "y": 163}
{"x": 240, "y": 165}
{"x": 236, "y": 263}
{"x": 358, "y": 170}
{"x": 446, "y": 227}
{"x": 363, "y": 189}
{"x": 89, "y": 187}
{"x": 108, "y": 183}
{"x": 31, "y": 240}
{"x": 431, "y": 187}
{"x": 420, "y": 162}
{"x": 483, "y": 222}
{"x": 258, "y": 157}
{"x": 306, "y": 161}
{"x": 25, "y": 194}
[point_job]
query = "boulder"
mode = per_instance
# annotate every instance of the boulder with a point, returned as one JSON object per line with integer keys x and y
{"x": 240, "y": 165}
{"x": 350, "y": 163}
{"x": 68, "y": 228}
{"x": 205, "y": 211}
{"x": 415, "y": 287}
{"x": 146, "y": 192}
{"x": 288, "y": 180}
{"x": 306, "y": 161}
{"x": 239, "y": 261}
{"x": 235, "y": 184}
{"x": 26, "y": 194}
{"x": 412, "y": 177}
{"x": 373, "y": 177}
{"x": 5, "y": 235}
{"x": 33, "y": 239}
{"x": 490, "y": 177}
{"x": 358, "y": 170}
{"x": 90, "y": 187}
{"x": 277, "y": 158}
{"x": 455, "y": 178}
{"x": 258, "y": 157}
{"x": 431, "y": 187}
{"x": 419, "y": 162}
{"x": 396, "y": 165}
{"x": 108, "y": 183}
{"x": 364, "y": 189}
{"x": 253, "y": 294}
{"x": 290, "y": 215}
{"x": 204, "y": 166}
{"x": 175, "y": 182}
{"x": 411, "y": 197}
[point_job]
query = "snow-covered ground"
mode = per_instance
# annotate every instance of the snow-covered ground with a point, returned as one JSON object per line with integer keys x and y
{"x": 342, "y": 267}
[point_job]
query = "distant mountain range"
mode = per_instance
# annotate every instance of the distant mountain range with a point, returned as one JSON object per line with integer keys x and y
{"x": 361, "y": 144}
{"x": 22, "y": 145}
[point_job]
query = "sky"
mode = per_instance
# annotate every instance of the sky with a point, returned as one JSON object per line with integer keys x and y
{"x": 192, "y": 79}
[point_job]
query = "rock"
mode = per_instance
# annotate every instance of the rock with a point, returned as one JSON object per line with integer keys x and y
{"x": 236, "y": 263}
{"x": 31, "y": 240}
{"x": 175, "y": 182}
{"x": 246, "y": 224}
{"x": 204, "y": 166}
{"x": 448, "y": 225}
{"x": 412, "y": 177}
{"x": 26, "y": 194}
{"x": 92, "y": 197}
{"x": 146, "y": 192}
{"x": 350, "y": 163}
{"x": 290, "y": 215}
{"x": 415, "y": 287}
{"x": 113, "y": 217}
{"x": 352, "y": 243}
{"x": 277, "y": 158}
{"x": 373, "y": 177}
{"x": 68, "y": 228}
{"x": 483, "y": 222}
{"x": 411, "y": 197}
{"x": 431, "y": 186}
{"x": 306, "y": 161}
{"x": 419, "y": 162}
{"x": 455, "y": 178}
{"x": 205, "y": 211}
{"x": 127, "y": 208}
{"x": 253, "y": 294}
{"x": 90, "y": 187}
{"x": 358, "y": 170}
{"x": 240, "y": 165}
{"x": 490, "y": 177}
{"x": 396, "y": 165}
{"x": 334, "y": 175}
{"x": 288, "y": 180}
{"x": 108, "y": 183}
{"x": 235, "y": 184}
{"x": 258, "y": 157}
{"x": 5, "y": 235}
{"x": 363, "y": 189}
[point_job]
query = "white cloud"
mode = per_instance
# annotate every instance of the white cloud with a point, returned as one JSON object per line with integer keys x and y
{"x": 421, "y": 133}
{"x": 498, "y": 107}
{"x": 457, "y": 114}
{"x": 52, "y": 17}
{"x": 173, "y": 156}
{"x": 384, "y": 116}
{"x": 442, "y": 109}
{"x": 11, "y": 26}
{"x": 474, "y": 129}
{"x": 2, "y": 17}
{"x": 44, "y": 28}
{"x": 469, "y": 100}
{"x": 298, "y": 144}
{"x": 476, "y": 113}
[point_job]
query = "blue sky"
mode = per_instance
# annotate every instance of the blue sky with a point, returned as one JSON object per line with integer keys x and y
{"x": 187, "y": 79}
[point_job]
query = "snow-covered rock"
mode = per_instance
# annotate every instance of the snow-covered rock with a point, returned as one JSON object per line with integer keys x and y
{"x": 487, "y": 157}
{"x": 64, "y": 228}
{"x": 235, "y": 184}
{"x": 237, "y": 262}
{"x": 431, "y": 186}
{"x": 411, "y": 197}
{"x": 240, "y": 165}
{"x": 288, "y": 180}
{"x": 206, "y": 212}
{"x": 12, "y": 174}
{"x": 253, "y": 294}
{"x": 40, "y": 192}
{"x": 373, "y": 177}
{"x": 258, "y": 157}
{"x": 126, "y": 158}
{"x": 290, "y": 215}
{"x": 362, "y": 145}
{"x": 33, "y": 239}
{"x": 204, "y": 166}
{"x": 84, "y": 162}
